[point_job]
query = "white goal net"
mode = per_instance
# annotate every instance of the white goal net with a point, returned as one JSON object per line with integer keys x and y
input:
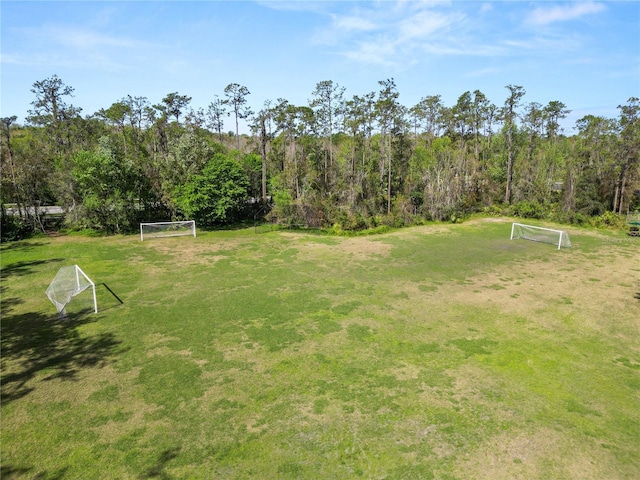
{"x": 540, "y": 234}
{"x": 69, "y": 282}
{"x": 167, "y": 229}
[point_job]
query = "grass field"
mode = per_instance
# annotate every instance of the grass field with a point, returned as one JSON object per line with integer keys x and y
{"x": 435, "y": 352}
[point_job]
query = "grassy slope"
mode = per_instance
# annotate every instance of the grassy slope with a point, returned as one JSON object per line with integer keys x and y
{"x": 432, "y": 352}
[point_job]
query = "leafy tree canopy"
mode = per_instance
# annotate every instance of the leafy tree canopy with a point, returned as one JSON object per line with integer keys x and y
{"x": 216, "y": 196}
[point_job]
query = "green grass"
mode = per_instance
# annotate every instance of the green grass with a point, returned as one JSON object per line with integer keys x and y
{"x": 443, "y": 351}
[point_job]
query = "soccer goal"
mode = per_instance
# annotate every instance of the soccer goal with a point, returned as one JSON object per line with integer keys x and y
{"x": 167, "y": 229}
{"x": 69, "y": 282}
{"x": 633, "y": 220}
{"x": 540, "y": 234}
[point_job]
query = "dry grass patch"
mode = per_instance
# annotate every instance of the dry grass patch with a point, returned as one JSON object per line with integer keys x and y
{"x": 343, "y": 250}
{"x": 571, "y": 284}
{"x": 406, "y": 372}
{"x": 187, "y": 250}
{"x": 538, "y": 454}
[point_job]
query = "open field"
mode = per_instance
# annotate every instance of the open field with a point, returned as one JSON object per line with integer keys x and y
{"x": 442, "y": 351}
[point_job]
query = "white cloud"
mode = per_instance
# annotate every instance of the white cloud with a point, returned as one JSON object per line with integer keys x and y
{"x": 486, "y": 7}
{"x": 377, "y": 52}
{"x": 293, "y": 5}
{"x": 65, "y": 46}
{"x": 421, "y": 4}
{"x": 483, "y": 72}
{"x": 463, "y": 48}
{"x": 403, "y": 32}
{"x": 386, "y": 33}
{"x": 63, "y": 61}
{"x": 562, "y": 13}
{"x": 82, "y": 39}
{"x": 546, "y": 44}
{"x": 353, "y": 24}
{"x": 424, "y": 24}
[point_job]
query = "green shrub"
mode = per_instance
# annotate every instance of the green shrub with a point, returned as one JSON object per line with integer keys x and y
{"x": 575, "y": 218}
{"x": 528, "y": 209}
{"x": 608, "y": 220}
{"x": 13, "y": 228}
{"x": 493, "y": 210}
{"x": 350, "y": 220}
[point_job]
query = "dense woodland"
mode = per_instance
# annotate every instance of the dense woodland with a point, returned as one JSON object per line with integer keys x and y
{"x": 346, "y": 163}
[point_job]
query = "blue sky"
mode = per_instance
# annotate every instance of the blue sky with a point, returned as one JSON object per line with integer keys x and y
{"x": 585, "y": 53}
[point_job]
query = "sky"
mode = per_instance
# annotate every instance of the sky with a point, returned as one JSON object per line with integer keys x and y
{"x": 585, "y": 54}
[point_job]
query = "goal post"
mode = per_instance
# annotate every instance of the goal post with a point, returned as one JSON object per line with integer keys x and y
{"x": 69, "y": 282}
{"x": 167, "y": 229}
{"x": 540, "y": 234}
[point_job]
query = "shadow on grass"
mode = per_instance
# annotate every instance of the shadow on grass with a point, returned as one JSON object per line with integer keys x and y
{"x": 9, "y": 471}
{"x": 158, "y": 470}
{"x": 106, "y": 287}
{"x": 20, "y": 245}
{"x": 8, "y": 303}
{"x": 35, "y": 344}
{"x": 24, "y": 268}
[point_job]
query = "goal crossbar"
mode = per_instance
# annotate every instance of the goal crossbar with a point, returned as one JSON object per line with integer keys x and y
{"x": 540, "y": 234}
{"x": 167, "y": 229}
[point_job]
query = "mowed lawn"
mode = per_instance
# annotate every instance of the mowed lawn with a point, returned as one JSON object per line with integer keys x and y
{"x": 434, "y": 352}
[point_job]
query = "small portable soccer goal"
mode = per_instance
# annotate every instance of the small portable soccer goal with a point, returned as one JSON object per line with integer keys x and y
{"x": 167, "y": 229}
{"x": 69, "y": 282}
{"x": 540, "y": 234}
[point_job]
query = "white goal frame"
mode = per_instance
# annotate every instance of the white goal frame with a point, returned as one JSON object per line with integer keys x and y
{"x": 168, "y": 229}
{"x": 563, "y": 237}
{"x": 66, "y": 285}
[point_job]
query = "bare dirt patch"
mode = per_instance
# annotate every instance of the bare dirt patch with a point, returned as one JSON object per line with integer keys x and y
{"x": 567, "y": 283}
{"x": 544, "y": 453}
{"x": 363, "y": 248}
{"x": 188, "y": 251}
{"x": 570, "y": 286}
{"x": 358, "y": 248}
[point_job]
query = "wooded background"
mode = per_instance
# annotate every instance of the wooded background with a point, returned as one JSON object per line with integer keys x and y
{"x": 350, "y": 163}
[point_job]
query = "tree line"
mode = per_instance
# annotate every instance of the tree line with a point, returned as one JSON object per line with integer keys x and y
{"x": 351, "y": 163}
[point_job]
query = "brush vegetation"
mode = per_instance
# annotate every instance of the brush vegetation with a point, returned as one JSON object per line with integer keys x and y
{"x": 352, "y": 163}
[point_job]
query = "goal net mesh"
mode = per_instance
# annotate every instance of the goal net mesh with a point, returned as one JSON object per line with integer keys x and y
{"x": 167, "y": 229}
{"x": 560, "y": 238}
{"x": 68, "y": 282}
